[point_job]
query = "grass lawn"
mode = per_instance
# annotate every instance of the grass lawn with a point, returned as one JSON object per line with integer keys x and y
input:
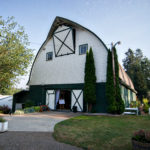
{"x": 100, "y": 132}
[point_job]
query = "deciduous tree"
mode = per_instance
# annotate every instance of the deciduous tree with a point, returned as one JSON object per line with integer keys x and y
{"x": 15, "y": 56}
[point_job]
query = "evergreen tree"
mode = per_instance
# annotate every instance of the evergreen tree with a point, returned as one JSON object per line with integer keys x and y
{"x": 90, "y": 80}
{"x": 110, "y": 90}
{"x": 113, "y": 93}
{"x": 138, "y": 68}
{"x": 119, "y": 101}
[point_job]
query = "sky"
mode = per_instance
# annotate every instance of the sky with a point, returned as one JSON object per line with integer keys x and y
{"x": 127, "y": 21}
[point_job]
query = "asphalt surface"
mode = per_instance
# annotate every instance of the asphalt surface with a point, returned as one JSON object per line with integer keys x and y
{"x": 31, "y": 141}
{"x": 34, "y": 132}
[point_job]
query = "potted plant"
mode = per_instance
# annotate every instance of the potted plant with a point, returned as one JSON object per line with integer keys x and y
{"x": 141, "y": 140}
{"x": 3, "y": 125}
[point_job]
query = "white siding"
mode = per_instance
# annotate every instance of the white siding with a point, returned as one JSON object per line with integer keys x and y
{"x": 69, "y": 69}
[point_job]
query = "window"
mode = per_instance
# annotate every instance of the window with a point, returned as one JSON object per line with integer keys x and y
{"x": 83, "y": 48}
{"x": 49, "y": 56}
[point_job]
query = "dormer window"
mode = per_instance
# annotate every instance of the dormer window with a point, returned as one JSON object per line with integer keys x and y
{"x": 49, "y": 56}
{"x": 83, "y": 48}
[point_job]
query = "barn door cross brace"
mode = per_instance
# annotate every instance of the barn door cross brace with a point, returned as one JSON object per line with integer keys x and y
{"x": 77, "y": 98}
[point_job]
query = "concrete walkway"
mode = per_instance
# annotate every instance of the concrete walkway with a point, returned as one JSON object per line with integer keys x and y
{"x": 37, "y": 122}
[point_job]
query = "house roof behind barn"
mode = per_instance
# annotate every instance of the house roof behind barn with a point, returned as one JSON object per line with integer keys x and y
{"x": 125, "y": 78}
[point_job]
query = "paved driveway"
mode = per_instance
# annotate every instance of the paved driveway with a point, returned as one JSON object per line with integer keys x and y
{"x": 37, "y": 122}
{"x": 31, "y": 141}
{"x": 34, "y": 132}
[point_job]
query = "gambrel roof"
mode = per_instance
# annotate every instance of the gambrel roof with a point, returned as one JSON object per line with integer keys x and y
{"x": 59, "y": 21}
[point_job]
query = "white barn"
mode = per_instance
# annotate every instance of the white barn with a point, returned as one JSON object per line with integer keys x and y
{"x": 57, "y": 74}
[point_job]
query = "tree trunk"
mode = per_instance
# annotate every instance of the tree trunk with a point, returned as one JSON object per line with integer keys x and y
{"x": 89, "y": 107}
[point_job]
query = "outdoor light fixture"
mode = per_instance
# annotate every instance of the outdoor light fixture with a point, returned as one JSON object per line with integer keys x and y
{"x": 113, "y": 61}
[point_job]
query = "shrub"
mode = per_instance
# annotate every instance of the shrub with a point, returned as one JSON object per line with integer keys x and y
{"x": 146, "y": 108}
{"x": 142, "y": 136}
{"x": 5, "y": 109}
{"x": 44, "y": 108}
{"x": 29, "y": 110}
{"x": 29, "y": 103}
{"x": 19, "y": 112}
{"x": 133, "y": 104}
{"x": 138, "y": 103}
{"x": 37, "y": 108}
{"x": 2, "y": 120}
{"x": 145, "y": 100}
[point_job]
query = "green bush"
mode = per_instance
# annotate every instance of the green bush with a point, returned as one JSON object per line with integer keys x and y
{"x": 19, "y": 112}
{"x": 29, "y": 110}
{"x": 146, "y": 108}
{"x": 37, "y": 108}
{"x": 2, "y": 120}
{"x": 29, "y": 103}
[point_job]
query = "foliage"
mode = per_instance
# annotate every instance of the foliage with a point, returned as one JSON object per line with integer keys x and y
{"x": 29, "y": 110}
{"x": 100, "y": 132}
{"x": 146, "y": 108}
{"x": 2, "y": 120}
{"x": 120, "y": 103}
{"x": 135, "y": 104}
{"x": 44, "y": 108}
{"x": 29, "y": 103}
{"x": 90, "y": 79}
{"x": 110, "y": 90}
{"x": 12, "y": 90}
{"x": 113, "y": 93}
{"x": 19, "y": 112}
{"x": 146, "y": 105}
{"x": 36, "y": 108}
{"x": 15, "y": 57}
{"x": 5, "y": 109}
{"x": 145, "y": 100}
{"x": 142, "y": 136}
{"x": 138, "y": 68}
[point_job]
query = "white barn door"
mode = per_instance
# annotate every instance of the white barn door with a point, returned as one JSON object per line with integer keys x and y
{"x": 77, "y": 99}
{"x": 50, "y": 99}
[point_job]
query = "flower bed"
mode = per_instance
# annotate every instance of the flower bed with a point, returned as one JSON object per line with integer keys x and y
{"x": 141, "y": 140}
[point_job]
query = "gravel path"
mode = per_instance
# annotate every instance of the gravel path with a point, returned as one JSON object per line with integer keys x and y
{"x": 31, "y": 141}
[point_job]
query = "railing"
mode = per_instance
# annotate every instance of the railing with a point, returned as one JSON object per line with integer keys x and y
{"x": 131, "y": 111}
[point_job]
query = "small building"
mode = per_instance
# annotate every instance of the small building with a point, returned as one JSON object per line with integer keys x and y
{"x": 57, "y": 74}
{"x": 19, "y": 99}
